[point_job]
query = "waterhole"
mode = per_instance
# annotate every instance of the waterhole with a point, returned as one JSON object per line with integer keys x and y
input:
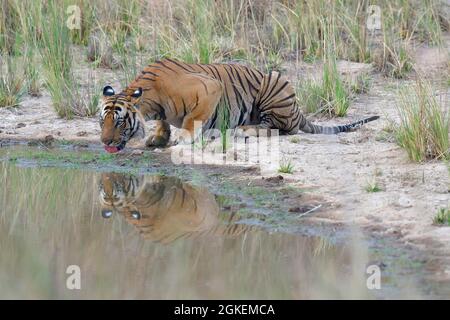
{"x": 137, "y": 235}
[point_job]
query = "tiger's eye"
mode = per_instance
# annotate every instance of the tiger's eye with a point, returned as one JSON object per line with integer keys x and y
{"x": 106, "y": 213}
{"x": 136, "y": 215}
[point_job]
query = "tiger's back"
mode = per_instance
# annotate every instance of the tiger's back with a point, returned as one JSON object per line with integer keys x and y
{"x": 248, "y": 94}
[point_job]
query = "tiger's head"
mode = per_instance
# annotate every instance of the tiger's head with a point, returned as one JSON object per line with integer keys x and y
{"x": 120, "y": 119}
{"x": 116, "y": 190}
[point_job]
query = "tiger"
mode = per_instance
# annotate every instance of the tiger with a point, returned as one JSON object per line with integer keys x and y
{"x": 175, "y": 93}
{"x": 165, "y": 209}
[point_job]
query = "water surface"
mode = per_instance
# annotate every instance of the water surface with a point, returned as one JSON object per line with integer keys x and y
{"x": 154, "y": 236}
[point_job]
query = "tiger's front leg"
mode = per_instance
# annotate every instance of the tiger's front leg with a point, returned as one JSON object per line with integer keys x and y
{"x": 161, "y": 136}
{"x": 202, "y": 95}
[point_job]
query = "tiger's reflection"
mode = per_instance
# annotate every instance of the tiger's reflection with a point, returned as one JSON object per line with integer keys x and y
{"x": 164, "y": 209}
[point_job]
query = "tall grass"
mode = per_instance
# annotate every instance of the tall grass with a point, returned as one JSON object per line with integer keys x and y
{"x": 423, "y": 130}
{"x": 202, "y": 29}
{"x": 263, "y": 33}
{"x": 330, "y": 96}
{"x": 12, "y": 80}
{"x": 335, "y": 93}
{"x": 30, "y": 31}
{"x": 68, "y": 97}
{"x": 57, "y": 60}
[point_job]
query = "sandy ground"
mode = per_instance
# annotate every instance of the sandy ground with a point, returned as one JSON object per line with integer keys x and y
{"x": 337, "y": 167}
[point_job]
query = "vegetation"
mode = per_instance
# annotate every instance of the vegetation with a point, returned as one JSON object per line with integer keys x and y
{"x": 11, "y": 83}
{"x": 286, "y": 166}
{"x": 68, "y": 97}
{"x": 372, "y": 186}
{"x": 442, "y": 217}
{"x": 265, "y": 34}
{"x": 423, "y": 130}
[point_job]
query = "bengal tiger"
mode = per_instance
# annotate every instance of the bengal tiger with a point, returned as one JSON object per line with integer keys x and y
{"x": 165, "y": 209}
{"x": 178, "y": 94}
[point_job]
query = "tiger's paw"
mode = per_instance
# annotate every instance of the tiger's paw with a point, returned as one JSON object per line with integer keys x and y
{"x": 156, "y": 141}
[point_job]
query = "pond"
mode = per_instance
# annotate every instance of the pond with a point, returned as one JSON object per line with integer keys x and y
{"x": 154, "y": 236}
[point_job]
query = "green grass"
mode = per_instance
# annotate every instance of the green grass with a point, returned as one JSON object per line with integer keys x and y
{"x": 69, "y": 98}
{"x": 12, "y": 83}
{"x": 442, "y": 217}
{"x": 335, "y": 93}
{"x": 78, "y": 158}
{"x": 372, "y": 186}
{"x": 330, "y": 96}
{"x": 224, "y": 123}
{"x": 57, "y": 61}
{"x": 62, "y": 156}
{"x": 29, "y": 16}
{"x": 310, "y": 95}
{"x": 294, "y": 140}
{"x": 286, "y": 166}
{"x": 423, "y": 130}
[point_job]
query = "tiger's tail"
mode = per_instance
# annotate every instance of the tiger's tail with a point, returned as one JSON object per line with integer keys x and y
{"x": 309, "y": 127}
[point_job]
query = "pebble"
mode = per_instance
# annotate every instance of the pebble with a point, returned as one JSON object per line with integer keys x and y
{"x": 404, "y": 202}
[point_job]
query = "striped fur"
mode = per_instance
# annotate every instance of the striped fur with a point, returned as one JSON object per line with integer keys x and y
{"x": 178, "y": 94}
{"x": 165, "y": 209}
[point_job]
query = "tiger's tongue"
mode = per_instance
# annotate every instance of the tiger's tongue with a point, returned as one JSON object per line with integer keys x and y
{"x": 111, "y": 149}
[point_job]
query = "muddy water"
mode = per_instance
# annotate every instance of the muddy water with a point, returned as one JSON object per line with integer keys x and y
{"x": 137, "y": 236}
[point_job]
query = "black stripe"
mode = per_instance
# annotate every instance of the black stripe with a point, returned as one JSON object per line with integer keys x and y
{"x": 163, "y": 64}
{"x": 149, "y": 72}
{"x": 286, "y": 98}
{"x": 201, "y": 67}
{"x": 281, "y": 88}
{"x": 179, "y": 64}
{"x": 267, "y": 96}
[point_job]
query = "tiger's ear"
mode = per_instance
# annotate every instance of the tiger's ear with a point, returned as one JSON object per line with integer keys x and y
{"x": 137, "y": 93}
{"x": 108, "y": 91}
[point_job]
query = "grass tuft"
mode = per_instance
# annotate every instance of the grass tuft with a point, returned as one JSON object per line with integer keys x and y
{"x": 69, "y": 98}
{"x": 12, "y": 82}
{"x": 372, "y": 186}
{"x": 442, "y": 217}
{"x": 286, "y": 166}
{"x": 423, "y": 130}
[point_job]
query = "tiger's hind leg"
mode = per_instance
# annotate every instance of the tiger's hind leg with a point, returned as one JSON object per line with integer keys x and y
{"x": 277, "y": 107}
{"x": 161, "y": 136}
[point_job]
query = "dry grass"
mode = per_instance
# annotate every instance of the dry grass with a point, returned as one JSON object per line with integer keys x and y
{"x": 261, "y": 33}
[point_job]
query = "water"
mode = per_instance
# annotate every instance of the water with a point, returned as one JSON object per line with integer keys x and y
{"x": 152, "y": 236}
